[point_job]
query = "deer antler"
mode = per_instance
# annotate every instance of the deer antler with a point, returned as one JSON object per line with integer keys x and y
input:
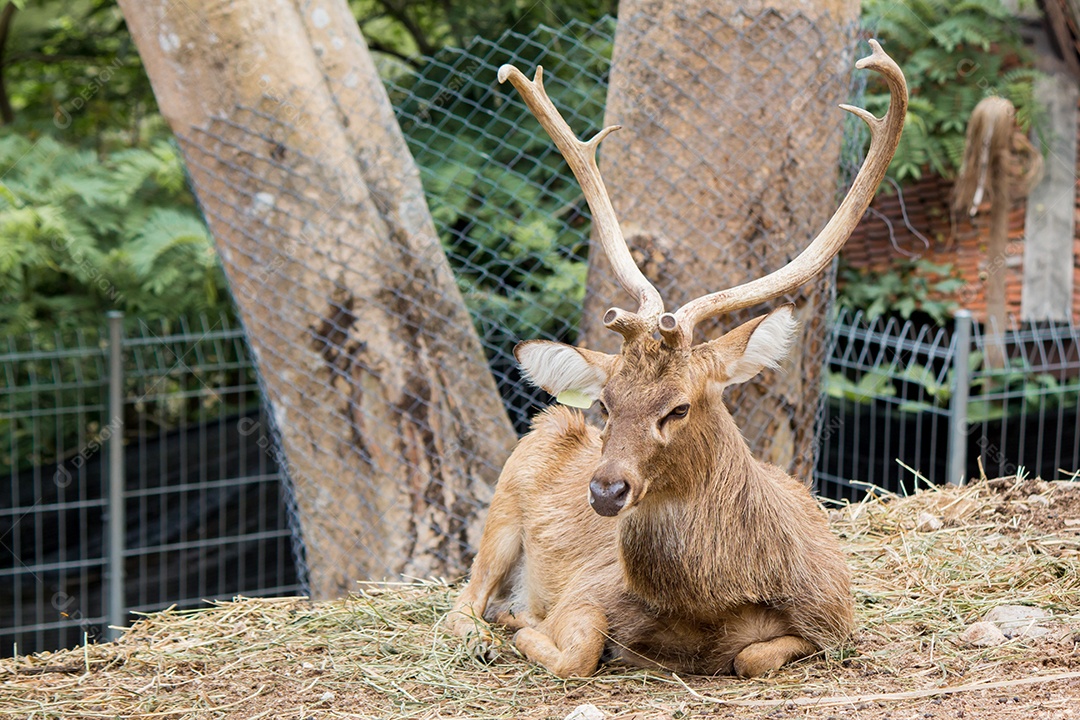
{"x": 581, "y": 157}
{"x": 677, "y": 328}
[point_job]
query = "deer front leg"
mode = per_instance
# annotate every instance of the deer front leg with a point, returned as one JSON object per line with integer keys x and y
{"x": 500, "y": 551}
{"x": 569, "y": 642}
{"x": 762, "y": 657}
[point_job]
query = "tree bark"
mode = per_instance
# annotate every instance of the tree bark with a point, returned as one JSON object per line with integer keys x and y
{"x": 726, "y": 168}
{"x": 389, "y": 419}
{"x": 1050, "y": 218}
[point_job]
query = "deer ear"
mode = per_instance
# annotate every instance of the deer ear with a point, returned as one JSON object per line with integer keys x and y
{"x": 563, "y": 370}
{"x": 753, "y": 346}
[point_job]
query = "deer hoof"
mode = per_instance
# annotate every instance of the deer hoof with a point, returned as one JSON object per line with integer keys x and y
{"x": 462, "y": 623}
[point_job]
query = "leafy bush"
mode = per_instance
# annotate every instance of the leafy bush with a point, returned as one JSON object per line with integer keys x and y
{"x": 70, "y": 68}
{"x": 954, "y": 54}
{"x": 82, "y": 233}
{"x": 994, "y": 394}
{"x": 909, "y": 286}
{"x": 404, "y": 30}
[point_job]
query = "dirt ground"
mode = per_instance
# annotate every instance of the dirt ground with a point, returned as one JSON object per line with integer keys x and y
{"x": 925, "y": 568}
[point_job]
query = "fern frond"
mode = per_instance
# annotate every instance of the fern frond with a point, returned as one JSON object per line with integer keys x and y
{"x": 166, "y": 230}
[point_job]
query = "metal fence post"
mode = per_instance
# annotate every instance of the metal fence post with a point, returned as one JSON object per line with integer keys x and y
{"x": 114, "y": 563}
{"x": 958, "y": 422}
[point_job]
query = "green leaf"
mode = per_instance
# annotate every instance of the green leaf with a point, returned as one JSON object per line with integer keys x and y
{"x": 916, "y": 406}
{"x": 873, "y": 384}
{"x": 905, "y": 306}
{"x": 164, "y": 231}
{"x": 980, "y": 411}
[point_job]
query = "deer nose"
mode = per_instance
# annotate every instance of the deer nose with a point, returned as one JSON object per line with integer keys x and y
{"x": 607, "y": 497}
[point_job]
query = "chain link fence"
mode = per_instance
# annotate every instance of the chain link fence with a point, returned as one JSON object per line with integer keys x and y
{"x": 365, "y": 350}
{"x": 510, "y": 214}
{"x": 336, "y": 319}
{"x": 214, "y": 504}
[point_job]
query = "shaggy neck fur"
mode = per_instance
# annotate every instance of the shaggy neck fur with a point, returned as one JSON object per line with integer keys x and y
{"x": 697, "y": 546}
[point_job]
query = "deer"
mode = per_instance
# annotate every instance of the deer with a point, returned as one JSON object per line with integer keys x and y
{"x": 659, "y": 540}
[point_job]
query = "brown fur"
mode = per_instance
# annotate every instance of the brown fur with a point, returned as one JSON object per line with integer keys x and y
{"x": 718, "y": 564}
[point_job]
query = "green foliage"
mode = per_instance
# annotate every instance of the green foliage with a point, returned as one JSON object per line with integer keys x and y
{"x": 993, "y": 394}
{"x": 407, "y": 29}
{"x": 873, "y": 384}
{"x": 71, "y": 69}
{"x": 1010, "y": 390}
{"x": 81, "y": 234}
{"x": 909, "y": 286}
{"x": 511, "y": 216}
{"x": 953, "y": 54}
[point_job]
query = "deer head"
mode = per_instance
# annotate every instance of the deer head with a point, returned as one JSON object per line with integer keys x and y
{"x": 661, "y": 395}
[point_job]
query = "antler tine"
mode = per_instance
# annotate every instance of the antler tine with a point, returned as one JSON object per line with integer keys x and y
{"x": 677, "y": 328}
{"x": 581, "y": 157}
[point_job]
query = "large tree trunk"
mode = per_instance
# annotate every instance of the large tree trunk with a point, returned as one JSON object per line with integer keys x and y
{"x": 390, "y": 421}
{"x": 726, "y": 168}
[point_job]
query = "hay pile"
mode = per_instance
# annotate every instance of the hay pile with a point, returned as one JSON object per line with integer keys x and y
{"x": 381, "y": 654}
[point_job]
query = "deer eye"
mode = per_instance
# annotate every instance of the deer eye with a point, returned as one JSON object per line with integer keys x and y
{"x": 603, "y": 408}
{"x": 678, "y": 412}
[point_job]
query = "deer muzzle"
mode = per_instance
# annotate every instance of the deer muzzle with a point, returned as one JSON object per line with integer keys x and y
{"x": 608, "y": 496}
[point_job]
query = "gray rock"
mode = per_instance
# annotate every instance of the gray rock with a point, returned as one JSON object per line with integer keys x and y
{"x": 1018, "y": 620}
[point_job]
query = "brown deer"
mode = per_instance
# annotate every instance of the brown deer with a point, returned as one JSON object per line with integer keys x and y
{"x": 660, "y": 540}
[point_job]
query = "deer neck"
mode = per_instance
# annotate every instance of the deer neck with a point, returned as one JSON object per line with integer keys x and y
{"x": 676, "y": 544}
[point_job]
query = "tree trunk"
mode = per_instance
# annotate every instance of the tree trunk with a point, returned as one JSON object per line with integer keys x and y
{"x": 1050, "y": 218}
{"x": 389, "y": 419}
{"x": 726, "y": 168}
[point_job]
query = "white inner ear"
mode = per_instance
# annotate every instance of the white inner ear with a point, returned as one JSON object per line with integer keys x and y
{"x": 557, "y": 368}
{"x": 768, "y": 345}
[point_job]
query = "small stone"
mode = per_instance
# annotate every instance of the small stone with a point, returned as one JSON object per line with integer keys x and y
{"x": 1018, "y": 620}
{"x": 307, "y": 666}
{"x": 586, "y": 712}
{"x": 1038, "y": 500}
{"x": 926, "y": 522}
{"x": 326, "y": 696}
{"x": 982, "y": 634}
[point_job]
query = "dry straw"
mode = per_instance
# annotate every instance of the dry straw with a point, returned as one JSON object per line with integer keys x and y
{"x": 380, "y": 653}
